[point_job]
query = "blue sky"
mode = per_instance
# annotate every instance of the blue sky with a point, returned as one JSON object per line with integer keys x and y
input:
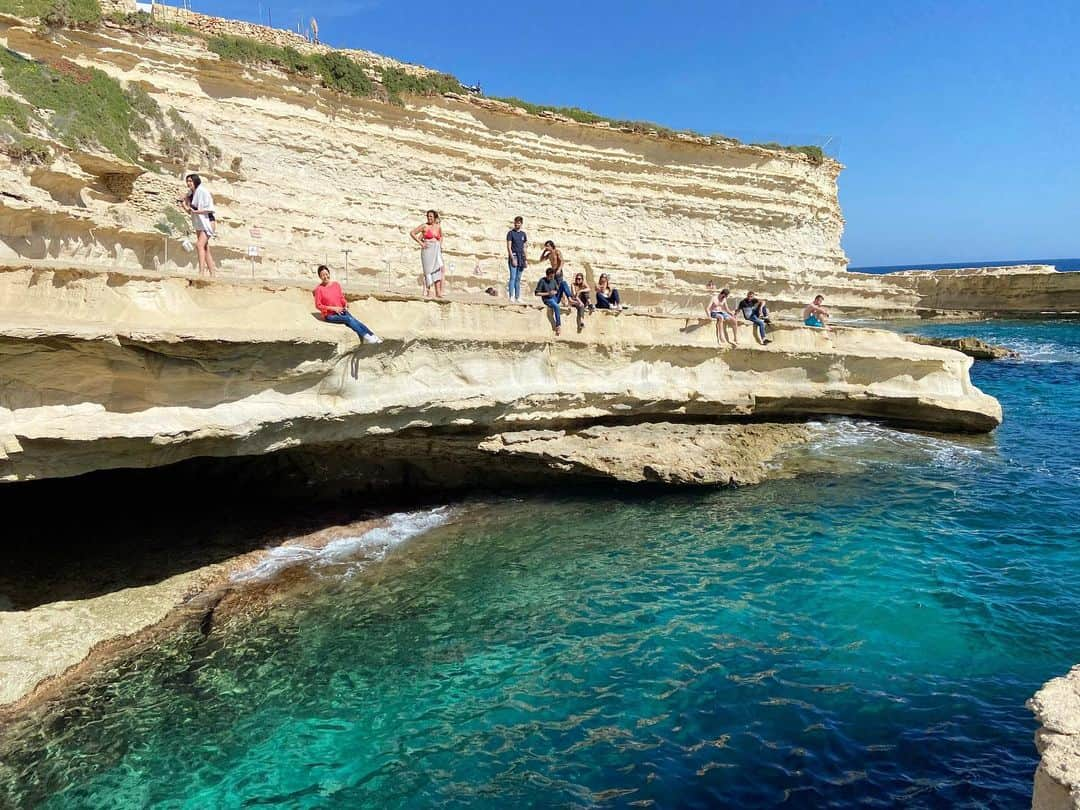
{"x": 959, "y": 122}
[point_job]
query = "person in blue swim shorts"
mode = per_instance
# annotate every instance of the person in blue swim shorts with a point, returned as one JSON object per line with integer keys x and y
{"x": 815, "y": 315}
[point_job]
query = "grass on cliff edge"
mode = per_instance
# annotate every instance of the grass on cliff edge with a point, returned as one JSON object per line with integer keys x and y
{"x": 88, "y": 107}
{"x": 340, "y": 72}
{"x": 56, "y": 13}
{"x": 15, "y": 140}
{"x": 336, "y": 70}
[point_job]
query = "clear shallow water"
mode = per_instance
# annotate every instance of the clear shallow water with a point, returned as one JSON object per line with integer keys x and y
{"x": 865, "y": 634}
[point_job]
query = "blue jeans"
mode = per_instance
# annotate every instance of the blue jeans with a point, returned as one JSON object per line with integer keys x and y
{"x": 564, "y": 290}
{"x": 513, "y": 287}
{"x": 605, "y": 302}
{"x": 759, "y": 323}
{"x": 346, "y": 319}
{"x": 553, "y": 302}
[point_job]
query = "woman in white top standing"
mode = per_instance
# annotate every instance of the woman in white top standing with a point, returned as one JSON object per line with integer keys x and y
{"x": 201, "y": 207}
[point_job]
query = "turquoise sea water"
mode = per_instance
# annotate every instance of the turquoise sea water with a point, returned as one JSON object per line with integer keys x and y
{"x": 864, "y": 634}
{"x": 1064, "y": 265}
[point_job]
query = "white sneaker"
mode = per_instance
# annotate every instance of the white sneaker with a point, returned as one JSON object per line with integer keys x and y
{"x": 372, "y": 338}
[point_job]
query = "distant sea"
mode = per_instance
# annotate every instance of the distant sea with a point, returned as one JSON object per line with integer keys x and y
{"x": 1061, "y": 264}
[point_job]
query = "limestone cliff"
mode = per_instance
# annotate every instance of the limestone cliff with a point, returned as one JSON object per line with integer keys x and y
{"x": 302, "y": 173}
{"x": 305, "y": 173}
{"x": 1019, "y": 290}
{"x": 103, "y": 371}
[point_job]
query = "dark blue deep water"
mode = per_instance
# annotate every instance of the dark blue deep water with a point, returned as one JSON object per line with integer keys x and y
{"x": 864, "y": 634}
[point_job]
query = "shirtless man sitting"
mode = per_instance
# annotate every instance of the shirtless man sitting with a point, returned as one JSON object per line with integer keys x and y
{"x": 555, "y": 259}
{"x": 815, "y": 315}
{"x": 719, "y": 310}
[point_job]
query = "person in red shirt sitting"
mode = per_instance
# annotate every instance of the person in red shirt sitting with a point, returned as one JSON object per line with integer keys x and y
{"x": 330, "y": 301}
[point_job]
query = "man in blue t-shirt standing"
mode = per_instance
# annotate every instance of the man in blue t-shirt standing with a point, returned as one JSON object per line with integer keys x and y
{"x": 516, "y": 239}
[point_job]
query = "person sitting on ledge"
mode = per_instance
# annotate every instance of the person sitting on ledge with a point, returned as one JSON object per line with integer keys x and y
{"x": 555, "y": 259}
{"x": 581, "y": 292}
{"x": 548, "y": 290}
{"x": 757, "y": 313}
{"x": 330, "y": 301}
{"x": 720, "y": 310}
{"x": 607, "y": 297}
{"x": 816, "y": 315}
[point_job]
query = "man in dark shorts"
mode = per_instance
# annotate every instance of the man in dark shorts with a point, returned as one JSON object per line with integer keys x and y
{"x": 516, "y": 240}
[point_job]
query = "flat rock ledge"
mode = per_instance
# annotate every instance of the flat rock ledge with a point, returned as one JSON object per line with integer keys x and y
{"x": 662, "y": 453}
{"x": 972, "y": 347}
{"x": 1057, "y": 708}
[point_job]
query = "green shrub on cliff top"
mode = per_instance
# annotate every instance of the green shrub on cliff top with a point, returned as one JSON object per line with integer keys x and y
{"x": 341, "y": 73}
{"x": 399, "y": 82}
{"x": 815, "y": 153}
{"x": 337, "y": 71}
{"x": 242, "y": 49}
{"x": 88, "y": 107}
{"x": 586, "y": 117}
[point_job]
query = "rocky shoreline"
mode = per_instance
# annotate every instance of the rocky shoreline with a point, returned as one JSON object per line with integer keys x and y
{"x": 972, "y": 347}
{"x": 51, "y": 647}
{"x": 1057, "y": 709}
{"x": 58, "y": 643}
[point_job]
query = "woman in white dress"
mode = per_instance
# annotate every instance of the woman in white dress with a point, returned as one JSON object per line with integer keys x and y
{"x": 201, "y": 207}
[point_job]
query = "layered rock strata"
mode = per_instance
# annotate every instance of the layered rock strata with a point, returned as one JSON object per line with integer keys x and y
{"x": 1057, "y": 709}
{"x": 306, "y": 174}
{"x": 1023, "y": 290}
{"x": 104, "y": 371}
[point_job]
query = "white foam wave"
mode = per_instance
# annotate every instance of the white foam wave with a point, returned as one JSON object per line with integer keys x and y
{"x": 838, "y": 434}
{"x": 1033, "y": 351}
{"x": 353, "y": 551}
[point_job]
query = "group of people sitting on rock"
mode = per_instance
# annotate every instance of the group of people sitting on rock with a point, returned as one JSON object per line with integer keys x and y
{"x": 752, "y": 308}
{"x": 553, "y": 289}
{"x": 756, "y": 311}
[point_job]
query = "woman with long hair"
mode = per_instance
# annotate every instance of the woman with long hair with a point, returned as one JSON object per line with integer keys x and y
{"x": 430, "y": 236}
{"x": 200, "y": 204}
{"x": 580, "y": 289}
{"x": 607, "y": 297}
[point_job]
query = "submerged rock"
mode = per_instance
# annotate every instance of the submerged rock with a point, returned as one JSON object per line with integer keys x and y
{"x": 972, "y": 347}
{"x": 687, "y": 455}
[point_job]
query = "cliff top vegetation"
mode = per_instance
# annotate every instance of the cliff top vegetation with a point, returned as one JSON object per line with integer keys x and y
{"x": 335, "y": 70}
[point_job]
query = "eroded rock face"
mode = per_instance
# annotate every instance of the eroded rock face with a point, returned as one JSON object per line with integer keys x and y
{"x": 304, "y": 174}
{"x": 321, "y": 172}
{"x": 105, "y": 371}
{"x": 1057, "y": 708}
{"x": 1021, "y": 290}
